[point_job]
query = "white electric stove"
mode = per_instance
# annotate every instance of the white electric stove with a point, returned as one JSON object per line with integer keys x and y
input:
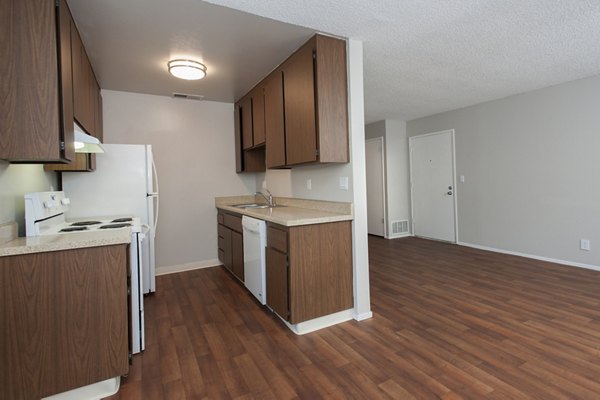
{"x": 45, "y": 215}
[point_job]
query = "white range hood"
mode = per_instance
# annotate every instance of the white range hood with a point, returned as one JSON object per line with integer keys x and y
{"x": 85, "y": 143}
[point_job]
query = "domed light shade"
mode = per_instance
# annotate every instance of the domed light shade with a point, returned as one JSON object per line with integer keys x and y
{"x": 187, "y": 69}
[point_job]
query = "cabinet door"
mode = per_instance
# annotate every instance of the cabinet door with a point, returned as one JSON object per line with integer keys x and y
{"x": 74, "y": 332}
{"x": 80, "y": 103}
{"x": 66, "y": 79}
{"x": 258, "y": 116}
{"x": 98, "y": 123}
{"x": 239, "y": 155}
{"x": 29, "y": 92}
{"x": 246, "y": 105}
{"x": 277, "y": 282}
{"x": 237, "y": 250}
{"x": 299, "y": 101}
{"x": 274, "y": 124}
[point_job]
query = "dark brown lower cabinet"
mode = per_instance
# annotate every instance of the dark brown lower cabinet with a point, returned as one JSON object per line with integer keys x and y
{"x": 231, "y": 242}
{"x": 309, "y": 270}
{"x": 64, "y": 320}
{"x": 237, "y": 249}
{"x": 277, "y": 282}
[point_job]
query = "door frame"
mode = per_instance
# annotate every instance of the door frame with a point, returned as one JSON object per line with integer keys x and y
{"x": 410, "y": 165}
{"x": 381, "y": 141}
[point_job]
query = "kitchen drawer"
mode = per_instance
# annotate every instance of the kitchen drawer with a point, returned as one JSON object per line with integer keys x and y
{"x": 223, "y": 233}
{"x": 233, "y": 221}
{"x": 277, "y": 238}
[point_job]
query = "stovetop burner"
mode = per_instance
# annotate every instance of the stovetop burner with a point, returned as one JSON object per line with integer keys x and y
{"x": 114, "y": 226}
{"x": 85, "y": 223}
{"x": 74, "y": 229}
{"x": 128, "y": 219}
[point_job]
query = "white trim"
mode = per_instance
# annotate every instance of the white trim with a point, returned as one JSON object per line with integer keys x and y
{"x": 455, "y": 192}
{"x": 532, "y": 256}
{"x": 381, "y": 141}
{"x": 356, "y": 125}
{"x": 363, "y": 316}
{"x": 319, "y": 323}
{"x": 400, "y": 235}
{"x": 98, "y": 390}
{"x": 173, "y": 269}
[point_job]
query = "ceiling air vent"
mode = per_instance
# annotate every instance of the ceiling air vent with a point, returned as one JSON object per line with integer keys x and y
{"x": 187, "y": 96}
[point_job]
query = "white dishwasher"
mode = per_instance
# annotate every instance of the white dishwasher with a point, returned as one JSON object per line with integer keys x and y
{"x": 255, "y": 242}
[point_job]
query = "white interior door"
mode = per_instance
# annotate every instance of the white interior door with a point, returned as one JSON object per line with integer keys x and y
{"x": 375, "y": 178}
{"x": 433, "y": 185}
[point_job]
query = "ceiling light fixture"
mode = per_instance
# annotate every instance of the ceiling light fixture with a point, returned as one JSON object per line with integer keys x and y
{"x": 187, "y": 69}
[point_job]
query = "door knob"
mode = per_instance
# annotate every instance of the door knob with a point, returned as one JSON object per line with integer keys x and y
{"x": 449, "y": 193}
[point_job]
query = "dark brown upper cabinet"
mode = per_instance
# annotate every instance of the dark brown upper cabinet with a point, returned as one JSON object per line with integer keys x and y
{"x": 251, "y": 157}
{"x": 87, "y": 107}
{"x": 274, "y": 123}
{"x": 258, "y": 116}
{"x": 301, "y": 108}
{"x": 85, "y": 98}
{"x": 246, "y": 123}
{"x": 316, "y": 102}
{"x": 35, "y": 82}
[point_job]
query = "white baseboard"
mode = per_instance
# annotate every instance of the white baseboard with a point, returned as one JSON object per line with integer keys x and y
{"x": 172, "y": 269}
{"x": 400, "y": 235}
{"x": 533, "y": 256}
{"x": 319, "y": 323}
{"x": 363, "y": 316}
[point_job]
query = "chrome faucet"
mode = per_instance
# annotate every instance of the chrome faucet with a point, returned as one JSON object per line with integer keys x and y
{"x": 269, "y": 199}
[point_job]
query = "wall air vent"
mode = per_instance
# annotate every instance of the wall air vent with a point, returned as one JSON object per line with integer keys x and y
{"x": 399, "y": 227}
{"x": 186, "y": 96}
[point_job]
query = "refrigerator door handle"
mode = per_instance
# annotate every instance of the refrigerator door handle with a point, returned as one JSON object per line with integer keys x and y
{"x": 155, "y": 194}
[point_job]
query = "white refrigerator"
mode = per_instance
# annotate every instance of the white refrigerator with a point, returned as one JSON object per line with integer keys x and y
{"x": 123, "y": 184}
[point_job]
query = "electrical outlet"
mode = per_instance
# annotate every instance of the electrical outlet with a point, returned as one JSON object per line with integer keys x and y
{"x": 264, "y": 184}
{"x": 309, "y": 184}
{"x": 584, "y": 244}
{"x": 462, "y": 179}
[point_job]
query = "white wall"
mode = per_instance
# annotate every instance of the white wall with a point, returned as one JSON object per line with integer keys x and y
{"x": 397, "y": 194}
{"x": 15, "y": 181}
{"x": 193, "y": 144}
{"x": 531, "y": 167}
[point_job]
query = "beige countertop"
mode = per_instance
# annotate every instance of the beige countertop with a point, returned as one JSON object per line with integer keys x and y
{"x": 65, "y": 241}
{"x": 292, "y": 212}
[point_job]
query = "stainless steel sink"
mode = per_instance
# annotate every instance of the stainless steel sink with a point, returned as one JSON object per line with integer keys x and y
{"x": 255, "y": 205}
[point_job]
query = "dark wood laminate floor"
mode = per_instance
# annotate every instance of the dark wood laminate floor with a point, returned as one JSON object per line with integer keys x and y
{"x": 450, "y": 323}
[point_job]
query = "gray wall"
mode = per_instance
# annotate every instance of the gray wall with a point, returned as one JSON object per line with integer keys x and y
{"x": 193, "y": 146}
{"x": 397, "y": 194}
{"x": 531, "y": 167}
{"x": 15, "y": 181}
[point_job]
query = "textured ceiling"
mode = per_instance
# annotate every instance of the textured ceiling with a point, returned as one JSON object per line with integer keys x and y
{"x": 421, "y": 56}
{"x": 427, "y": 56}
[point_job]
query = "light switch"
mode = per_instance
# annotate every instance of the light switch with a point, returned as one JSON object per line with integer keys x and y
{"x": 309, "y": 184}
{"x": 462, "y": 179}
{"x": 344, "y": 182}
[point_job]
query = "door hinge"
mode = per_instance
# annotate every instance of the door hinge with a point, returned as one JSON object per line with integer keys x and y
{"x": 57, "y": 3}
{"x": 317, "y": 152}
{"x": 62, "y": 145}
{"x": 314, "y": 54}
{"x": 287, "y": 261}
